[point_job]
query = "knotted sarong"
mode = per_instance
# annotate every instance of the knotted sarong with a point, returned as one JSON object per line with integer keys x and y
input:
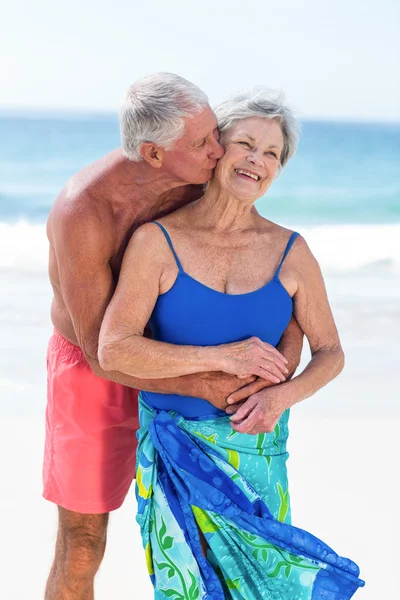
{"x": 201, "y": 475}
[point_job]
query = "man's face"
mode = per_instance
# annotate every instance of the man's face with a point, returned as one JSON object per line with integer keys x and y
{"x": 194, "y": 156}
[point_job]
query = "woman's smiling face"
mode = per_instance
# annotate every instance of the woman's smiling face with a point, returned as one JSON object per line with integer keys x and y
{"x": 253, "y": 148}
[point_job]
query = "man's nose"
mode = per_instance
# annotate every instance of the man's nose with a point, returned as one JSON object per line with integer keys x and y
{"x": 217, "y": 150}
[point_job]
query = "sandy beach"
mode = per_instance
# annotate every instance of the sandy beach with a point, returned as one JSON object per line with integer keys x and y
{"x": 344, "y": 448}
{"x": 342, "y": 488}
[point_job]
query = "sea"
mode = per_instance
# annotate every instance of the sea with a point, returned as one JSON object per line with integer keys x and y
{"x": 341, "y": 191}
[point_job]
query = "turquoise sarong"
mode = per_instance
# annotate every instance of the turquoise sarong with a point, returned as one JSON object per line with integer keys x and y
{"x": 202, "y": 475}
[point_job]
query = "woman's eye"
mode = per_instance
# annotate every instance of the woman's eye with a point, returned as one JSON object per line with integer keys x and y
{"x": 273, "y": 154}
{"x": 245, "y": 144}
{"x": 203, "y": 143}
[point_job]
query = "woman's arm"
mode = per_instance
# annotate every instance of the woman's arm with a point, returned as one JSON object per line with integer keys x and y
{"x": 313, "y": 313}
{"x": 123, "y": 348}
{"x": 261, "y": 412}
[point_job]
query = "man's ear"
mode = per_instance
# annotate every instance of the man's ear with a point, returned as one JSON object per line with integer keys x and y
{"x": 152, "y": 154}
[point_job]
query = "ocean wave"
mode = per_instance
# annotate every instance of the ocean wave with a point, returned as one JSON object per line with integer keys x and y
{"x": 23, "y": 247}
{"x": 28, "y": 189}
{"x": 338, "y": 248}
{"x": 34, "y": 163}
{"x": 337, "y": 192}
{"x": 346, "y": 248}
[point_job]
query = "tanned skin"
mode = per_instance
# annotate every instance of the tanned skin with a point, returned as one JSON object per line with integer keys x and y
{"x": 89, "y": 228}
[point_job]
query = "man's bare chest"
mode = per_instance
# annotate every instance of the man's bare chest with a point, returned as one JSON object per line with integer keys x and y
{"x": 122, "y": 237}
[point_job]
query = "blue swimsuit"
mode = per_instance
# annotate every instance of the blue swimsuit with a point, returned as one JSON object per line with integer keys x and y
{"x": 191, "y": 313}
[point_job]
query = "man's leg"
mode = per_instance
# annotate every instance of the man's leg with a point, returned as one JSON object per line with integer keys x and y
{"x": 80, "y": 546}
{"x": 89, "y": 464}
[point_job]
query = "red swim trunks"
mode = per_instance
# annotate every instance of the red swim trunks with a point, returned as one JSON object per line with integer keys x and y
{"x": 91, "y": 424}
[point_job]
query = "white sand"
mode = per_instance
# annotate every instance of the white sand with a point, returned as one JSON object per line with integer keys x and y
{"x": 343, "y": 469}
{"x": 344, "y": 489}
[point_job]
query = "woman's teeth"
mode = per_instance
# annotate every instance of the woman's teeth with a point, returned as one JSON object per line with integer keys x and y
{"x": 247, "y": 173}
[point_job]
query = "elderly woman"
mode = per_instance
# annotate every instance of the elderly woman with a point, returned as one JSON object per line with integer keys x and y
{"x": 218, "y": 284}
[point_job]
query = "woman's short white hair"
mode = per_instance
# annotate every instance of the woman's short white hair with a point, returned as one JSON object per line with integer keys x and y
{"x": 153, "y": 110}
{"x": 265, "y": 103}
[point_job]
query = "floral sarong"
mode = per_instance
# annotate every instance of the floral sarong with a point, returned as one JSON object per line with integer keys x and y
{"x": 202, "y": 475}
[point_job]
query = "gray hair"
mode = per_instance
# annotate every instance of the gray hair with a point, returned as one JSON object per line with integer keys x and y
{"x": 265, "y": 103}
{"x": 153, "y": 110}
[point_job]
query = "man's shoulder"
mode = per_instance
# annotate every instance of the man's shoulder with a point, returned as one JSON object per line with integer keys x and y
{"x": 81, "y": 197}
{"x": 78, "y": 217}
{"x": 77, "y": 203}
{"x": 82, "y": 193}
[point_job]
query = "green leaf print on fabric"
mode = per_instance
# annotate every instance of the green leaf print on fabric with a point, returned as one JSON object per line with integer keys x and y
{"x": 204, "y": 521}
{"x": 277, "y": 432}
{"x": 194, "y": 591}
{"x": 165, "y": 542}
{"x": 233, "y": 458}
{"x": 261, "y": 437}
{"x": 164, "y": 565}
{"x": 149, "y": 559}
{"x": 261, "y": 452}
{"x": 265, "y": 555}
{"x": 233, "y": 584}
{"x": 260, "y": 552}
{"x": 275, "y": 572}
{"x": 259, "y": 443}
{"x": 209, "y": 438}
{"x": 269, "y": 460}
{"x": 173, "y": 594}
{"x": 163, "y": 529}
{"x": 143, "y": 491}
{"x": 284, "y": 503}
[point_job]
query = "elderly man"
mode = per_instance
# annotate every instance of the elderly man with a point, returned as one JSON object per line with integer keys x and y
{"x": 170, "y": 148}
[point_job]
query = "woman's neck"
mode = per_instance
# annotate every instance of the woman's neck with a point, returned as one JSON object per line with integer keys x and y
{"x": 222, "y": 211}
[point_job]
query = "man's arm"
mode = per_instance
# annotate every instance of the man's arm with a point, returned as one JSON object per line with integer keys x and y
{"x": 83, "y": 249}
{"x": 291, "y": 346}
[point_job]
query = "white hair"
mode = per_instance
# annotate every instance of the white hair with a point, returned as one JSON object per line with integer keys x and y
{"x": 265, "y": 103}
{"x": 153, "y": 110}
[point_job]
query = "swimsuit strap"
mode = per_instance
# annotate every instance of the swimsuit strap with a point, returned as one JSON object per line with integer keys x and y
{"x": 289, "y": 245}
{"x": 165, "y": 232}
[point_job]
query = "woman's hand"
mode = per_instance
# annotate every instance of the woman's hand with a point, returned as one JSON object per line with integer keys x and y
{"x": 253, "y": 357}
{"x": 262, "y": 411}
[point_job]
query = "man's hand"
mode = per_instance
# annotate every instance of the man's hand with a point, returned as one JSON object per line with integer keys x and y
{"x": 237, "y": 399}
{"x": 261, "y": 412}
{"x": 217, "y": 386}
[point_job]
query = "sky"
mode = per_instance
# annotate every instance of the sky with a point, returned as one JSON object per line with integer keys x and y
{"x": 333, "y": 59}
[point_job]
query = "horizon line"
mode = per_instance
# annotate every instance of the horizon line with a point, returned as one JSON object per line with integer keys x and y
{"x": 47, "y": 112}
